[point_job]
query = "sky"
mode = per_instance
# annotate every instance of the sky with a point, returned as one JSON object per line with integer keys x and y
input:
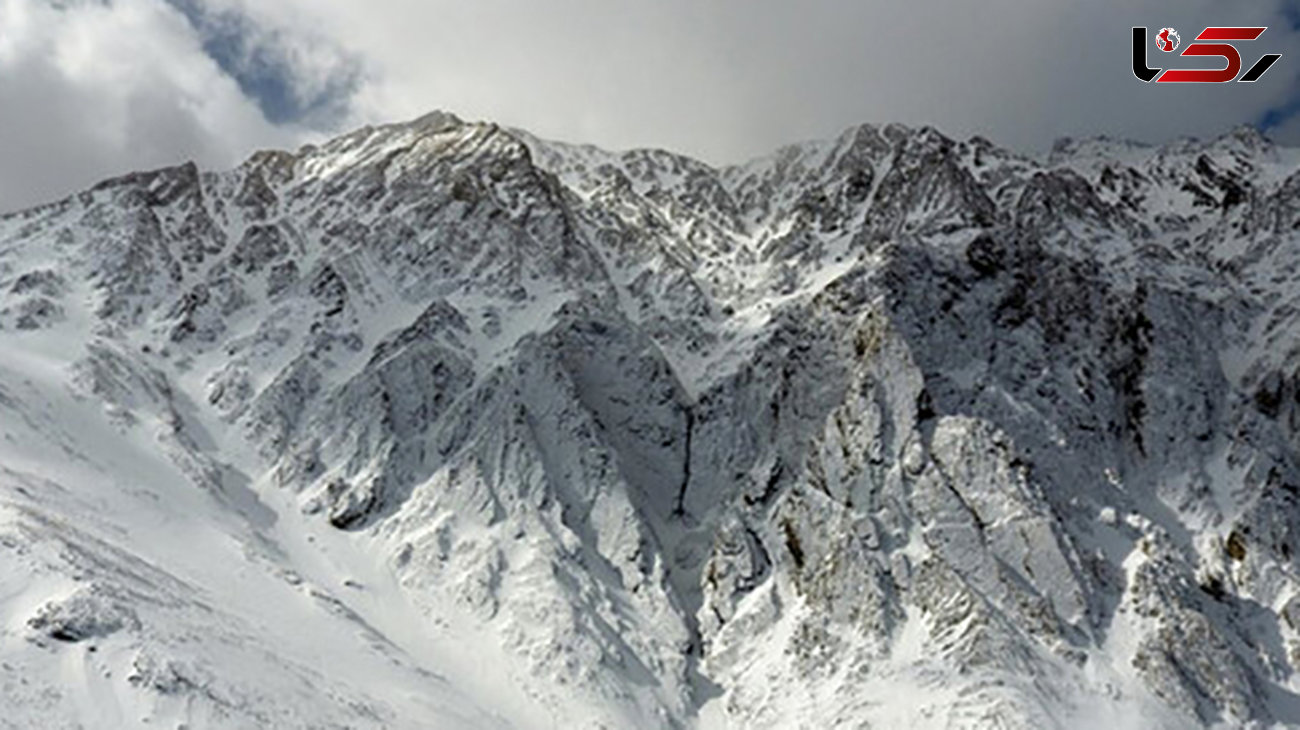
{"x": 95, "y": 88}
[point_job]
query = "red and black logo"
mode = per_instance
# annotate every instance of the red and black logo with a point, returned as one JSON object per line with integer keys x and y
{"x": 1168, "y": 40}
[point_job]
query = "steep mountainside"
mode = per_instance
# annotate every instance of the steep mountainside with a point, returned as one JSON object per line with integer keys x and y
{"x": 442, "y": 425}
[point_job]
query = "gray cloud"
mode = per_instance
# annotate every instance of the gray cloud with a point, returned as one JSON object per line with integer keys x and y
{"x": 82, "y": 98}
{"x": 294, "y": 78}
{"x": 731, "y": 78}
{"x": 721, "y": 79}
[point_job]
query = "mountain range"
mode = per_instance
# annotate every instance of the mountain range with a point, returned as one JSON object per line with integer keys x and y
{"x": 442, "y": 425}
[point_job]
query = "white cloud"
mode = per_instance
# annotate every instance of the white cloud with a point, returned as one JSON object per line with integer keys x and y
{"x": 91, "y": 90}
{"x": 104, "y": 87}
{"x": 729, "y": 78}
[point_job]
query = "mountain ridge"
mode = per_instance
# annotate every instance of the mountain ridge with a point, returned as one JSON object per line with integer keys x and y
{"x": 890, "y": 428}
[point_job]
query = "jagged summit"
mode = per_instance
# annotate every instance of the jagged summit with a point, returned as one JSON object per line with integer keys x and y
{"x": 442, "y": 424}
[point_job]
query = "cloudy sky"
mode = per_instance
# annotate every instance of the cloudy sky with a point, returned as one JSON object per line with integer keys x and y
{"x": 92, "y": 88}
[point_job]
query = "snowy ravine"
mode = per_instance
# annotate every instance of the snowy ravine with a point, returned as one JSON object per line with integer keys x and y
{"x": 440, "y": 425}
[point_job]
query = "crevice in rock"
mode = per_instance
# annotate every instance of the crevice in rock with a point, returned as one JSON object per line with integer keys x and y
{"x": 680, "y": 509}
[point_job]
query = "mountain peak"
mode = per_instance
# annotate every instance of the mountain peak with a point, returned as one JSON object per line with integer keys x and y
{"x": 441, "y": 423}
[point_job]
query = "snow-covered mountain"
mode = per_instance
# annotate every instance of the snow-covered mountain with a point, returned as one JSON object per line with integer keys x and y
{"x": 441, "y": 425}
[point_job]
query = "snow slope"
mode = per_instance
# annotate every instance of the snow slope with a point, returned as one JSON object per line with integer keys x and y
{"x": 439, "y": 424}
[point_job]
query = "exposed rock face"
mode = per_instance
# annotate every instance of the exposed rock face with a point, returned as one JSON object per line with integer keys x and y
{"x": 889, "y": 430}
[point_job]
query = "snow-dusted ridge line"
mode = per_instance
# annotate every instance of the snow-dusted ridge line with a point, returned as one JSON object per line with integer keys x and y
{"x": 439, "y": 424}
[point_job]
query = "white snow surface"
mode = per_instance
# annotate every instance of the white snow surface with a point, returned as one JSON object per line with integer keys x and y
{"x": 441, "y": 425}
